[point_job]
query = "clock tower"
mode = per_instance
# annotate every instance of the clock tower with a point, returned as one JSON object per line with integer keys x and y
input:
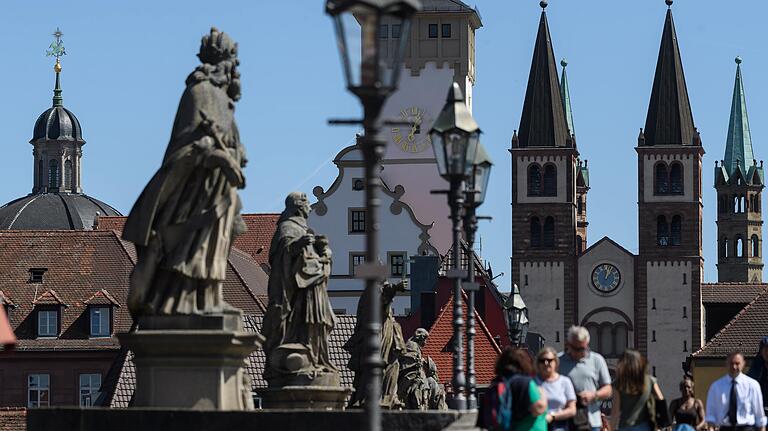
{"x": 441, "y": 51}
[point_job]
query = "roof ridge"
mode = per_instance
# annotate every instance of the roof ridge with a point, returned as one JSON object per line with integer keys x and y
{"x": 247, "y": 286}
{"x": 732, "y": 321}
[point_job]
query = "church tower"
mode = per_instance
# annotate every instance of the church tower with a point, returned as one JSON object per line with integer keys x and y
{"x": 544, "y": 222}
{"x": 670, "y": 263}
{"x": 739, "y": 184}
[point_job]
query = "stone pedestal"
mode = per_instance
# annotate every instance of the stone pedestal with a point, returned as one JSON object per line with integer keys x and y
{"x": 305, "y": 397}
{"x": 195, "y": 362}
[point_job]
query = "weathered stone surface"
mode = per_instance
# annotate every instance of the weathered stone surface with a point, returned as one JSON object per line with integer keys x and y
{"x": 197, "y": 369}
{"x": 76, "y": 419}
{"x": 299, "y": 318}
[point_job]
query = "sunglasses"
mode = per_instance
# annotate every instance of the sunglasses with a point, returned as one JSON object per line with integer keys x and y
{"x": 546, "y": 360}
{"x": 578, "y": 349}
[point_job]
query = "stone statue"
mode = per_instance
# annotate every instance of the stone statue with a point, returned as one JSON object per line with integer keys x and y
{"x": 299, "y": 317}
{"x": 185, "y": 219}
{"x": 392, "y": 345}
{"x": 436, "y": 390}
{"x": 412, "y": 387}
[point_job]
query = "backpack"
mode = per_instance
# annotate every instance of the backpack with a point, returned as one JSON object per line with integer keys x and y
{"x": 500, "y": 407}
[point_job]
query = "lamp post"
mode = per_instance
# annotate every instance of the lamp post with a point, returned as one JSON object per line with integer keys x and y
{"x": 476, "y": 189}
{"x": 371, "y": 72}
{"x": 516, "y": 313}
{"x": 455, "y": 136}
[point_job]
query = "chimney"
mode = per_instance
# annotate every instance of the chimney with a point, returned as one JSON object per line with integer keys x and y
{"x": 423, "y": 278}
{"x": 428, "y": 300}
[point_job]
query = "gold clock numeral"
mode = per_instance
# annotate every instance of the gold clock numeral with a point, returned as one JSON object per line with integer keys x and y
{"x": 398, "y": 138}
{"x": 396, "y": 130}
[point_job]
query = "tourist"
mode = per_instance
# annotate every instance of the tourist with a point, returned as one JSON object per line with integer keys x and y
{"x": 632, "y": 390}
{"x": 513, "y": 401}
{"x": 589, "y": 374}
{"x": 759, "y": 370}
{"x": 561, "y": 397}
{"x": 687, "y": 412}
{"x": 734, "y": 401}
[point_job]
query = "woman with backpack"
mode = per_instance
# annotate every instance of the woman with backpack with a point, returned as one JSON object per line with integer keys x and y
{"x": 635, "y": 395}
{"x": 561, "y": 397}
{"x": 513, "y": 401}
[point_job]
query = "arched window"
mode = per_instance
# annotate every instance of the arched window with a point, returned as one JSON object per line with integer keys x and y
{"x": 662, "y": 231}
{"x": 40, "y": 173}
{"x": 755, "y": 246}
{"x": 676, "y": 178}
{"x": 594, "y": 338}
{"x": 535, "y": 232}
{"x": 723, "y": 247}
{"x": 676, "y": 230}
{"x": 550, "y": 180}
{"x": 53, "y": 174}
{"x": 580, "y": 204}
{"x": 621, "y": 338}
{"x": 662, "y": 185}
{"x": 741, "y": 204}
{"x": 726, "y": 248}
{"x": 579, "y": 244}
{"x": 68, "y": 174}
{"x": 549, "y": 232}
{"x": 534, "y": 180}
{"x": 739, "y": 247}
{"x": 735, "y": 204}
{"x": 606, "y": 340}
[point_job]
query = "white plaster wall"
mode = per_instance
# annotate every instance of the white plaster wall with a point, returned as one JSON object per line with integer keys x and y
{"x": 398, "y": 233}
{"x": 521, "y": 170}
{"x": 621, "y": 299}
{"x": 544, "y": 288}
{"x": 427, "y": 91}
{"x": 649, "y": 161}
{"x": 665, "y": 285}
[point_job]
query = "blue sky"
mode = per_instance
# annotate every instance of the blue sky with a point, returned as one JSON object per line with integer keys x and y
{"x": 127, "y": 62}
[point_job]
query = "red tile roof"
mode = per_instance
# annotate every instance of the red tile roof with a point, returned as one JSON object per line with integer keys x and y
{"x": 13, "y": 419}
{"x": 78, "y": 263}
{"x": 731, "y": 293}
{"x": 441, "y": 334}
{"x": 743, "y": 333}
{"x": 255, "y": 241}
{"x": 101, "y": 297}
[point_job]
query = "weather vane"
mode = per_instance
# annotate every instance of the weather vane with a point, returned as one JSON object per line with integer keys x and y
{"x": 56, "y": 49}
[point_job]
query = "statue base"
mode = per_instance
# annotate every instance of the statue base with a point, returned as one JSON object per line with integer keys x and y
{"x": 305, "y": 397}
{"x": 195, "y": 362}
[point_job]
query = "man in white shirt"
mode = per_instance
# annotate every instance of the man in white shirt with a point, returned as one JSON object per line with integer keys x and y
{"x": 734, "y": 401}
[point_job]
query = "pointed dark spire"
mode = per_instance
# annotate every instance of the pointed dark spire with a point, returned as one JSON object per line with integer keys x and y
{"x": 565, "y": 96}
{"x": 669, "y": 120}
{"x": 543, "y": 121}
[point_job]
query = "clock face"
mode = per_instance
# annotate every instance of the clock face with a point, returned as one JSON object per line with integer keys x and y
{"x": 413, "y": 137}
{"x": 606, "y": 277}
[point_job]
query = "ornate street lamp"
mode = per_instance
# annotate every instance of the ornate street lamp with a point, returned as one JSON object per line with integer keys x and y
{"x": 371, "y": 70}
{"x": 516, "y": 313}
{"x": 475, "y": 190}
{"x": 455, "y": 136}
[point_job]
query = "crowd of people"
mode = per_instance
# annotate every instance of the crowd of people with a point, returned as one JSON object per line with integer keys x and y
{"x": 565, "y": 392}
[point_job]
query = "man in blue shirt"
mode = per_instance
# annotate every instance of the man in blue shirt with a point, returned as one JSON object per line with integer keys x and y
{"x": 734, "y": 401}
{"x": 589, "y": 373}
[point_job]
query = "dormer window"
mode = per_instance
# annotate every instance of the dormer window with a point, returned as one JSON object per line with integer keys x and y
{"x": 36, "y": 274}
{"x": 47, "y": 323}
{"x": 101, "y": 321}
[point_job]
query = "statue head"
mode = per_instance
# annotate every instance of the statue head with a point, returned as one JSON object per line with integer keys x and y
{"x": 297, "y": 204}
{"x": 220, "y": 51}
{"x": 420, "y": 337}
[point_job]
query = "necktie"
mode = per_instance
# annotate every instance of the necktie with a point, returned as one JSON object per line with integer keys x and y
{"x": 733, "y": 404}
